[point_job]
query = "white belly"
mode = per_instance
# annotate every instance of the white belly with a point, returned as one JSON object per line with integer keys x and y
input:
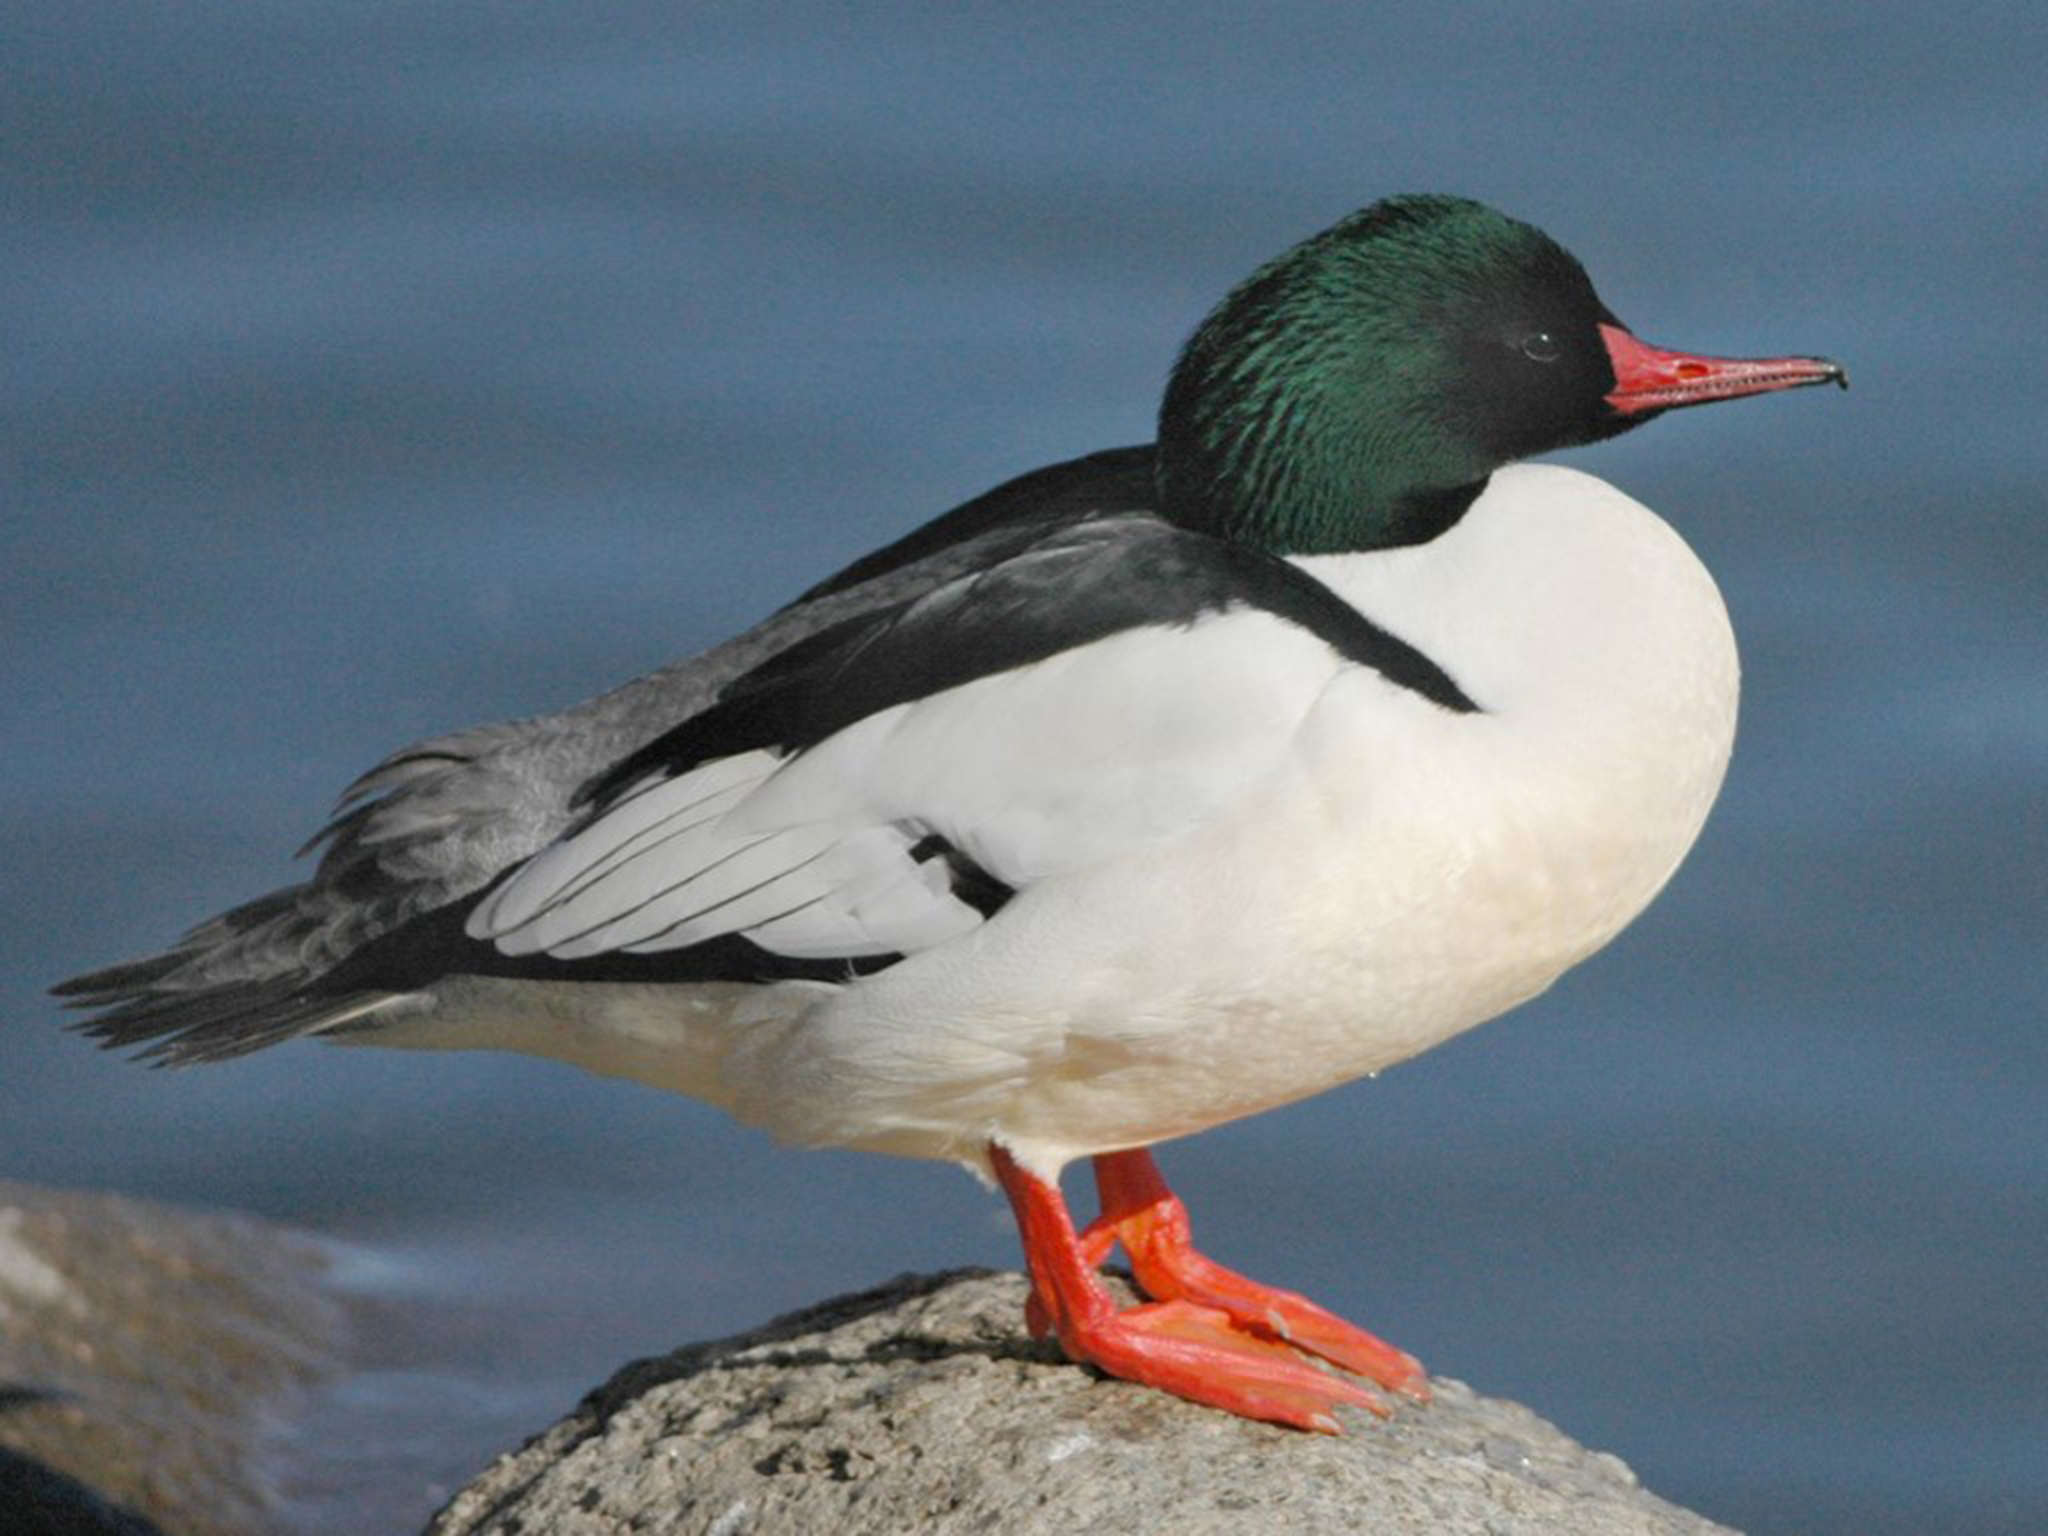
{"x": 1405, "y": 874}
{"x": 1411, "y": 873}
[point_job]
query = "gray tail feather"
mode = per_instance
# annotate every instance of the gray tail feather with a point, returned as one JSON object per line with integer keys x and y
{"x": 183, "y": 1007}
{"x": 178, "y": 1029}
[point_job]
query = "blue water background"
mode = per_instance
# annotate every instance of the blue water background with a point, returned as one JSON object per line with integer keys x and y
{"x": 376, "y": 369}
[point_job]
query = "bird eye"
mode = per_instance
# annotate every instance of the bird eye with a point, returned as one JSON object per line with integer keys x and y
{"x": 1540, "y": 347}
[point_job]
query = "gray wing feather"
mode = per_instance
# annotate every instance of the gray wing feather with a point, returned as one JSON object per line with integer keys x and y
{"x": 433, "y": 823}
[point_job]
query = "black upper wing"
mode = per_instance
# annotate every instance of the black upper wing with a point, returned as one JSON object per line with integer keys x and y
{"x": 1048, "y": 592}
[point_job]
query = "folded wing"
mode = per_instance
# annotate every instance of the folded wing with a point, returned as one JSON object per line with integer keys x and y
{"x": 887, "y": 785}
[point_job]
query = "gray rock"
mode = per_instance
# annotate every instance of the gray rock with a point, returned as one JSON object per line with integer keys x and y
{"x": 921, "y": 1407}
{"x": 146, "y": 1358}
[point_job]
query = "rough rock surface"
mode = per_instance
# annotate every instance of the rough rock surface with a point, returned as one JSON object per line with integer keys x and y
{"x": 921, "y": 1406}
{"x": 144, "y": 1354}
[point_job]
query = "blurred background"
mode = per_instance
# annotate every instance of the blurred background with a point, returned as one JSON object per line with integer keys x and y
{"x": 378, "y": 369}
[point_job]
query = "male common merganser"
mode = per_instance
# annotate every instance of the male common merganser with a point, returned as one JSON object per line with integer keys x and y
{"x": 1145, "y": 791}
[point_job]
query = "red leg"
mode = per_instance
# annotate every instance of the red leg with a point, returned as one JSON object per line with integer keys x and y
{"x": 1179, "y": 1346}
{"x": 1149, "y": 1220}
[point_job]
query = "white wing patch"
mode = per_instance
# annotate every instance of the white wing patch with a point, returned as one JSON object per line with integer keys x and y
{"x": 649, "y": 816}
{"x": 671, "y": 865}
{"x": 815, "y": 855}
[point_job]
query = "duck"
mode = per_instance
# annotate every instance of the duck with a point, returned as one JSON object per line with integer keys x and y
{"x": 1146, "y": 791}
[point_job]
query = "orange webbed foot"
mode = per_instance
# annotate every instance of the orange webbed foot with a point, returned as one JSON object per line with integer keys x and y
{"x": 1197, "y": 1353}
{"x": 1152, "y": 1224}
{"x": 1238, "y": 1351}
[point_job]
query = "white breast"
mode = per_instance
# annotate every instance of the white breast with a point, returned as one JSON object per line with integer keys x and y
{"x": 1406, "y": 874}
{"x": 1396, "y": 874}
